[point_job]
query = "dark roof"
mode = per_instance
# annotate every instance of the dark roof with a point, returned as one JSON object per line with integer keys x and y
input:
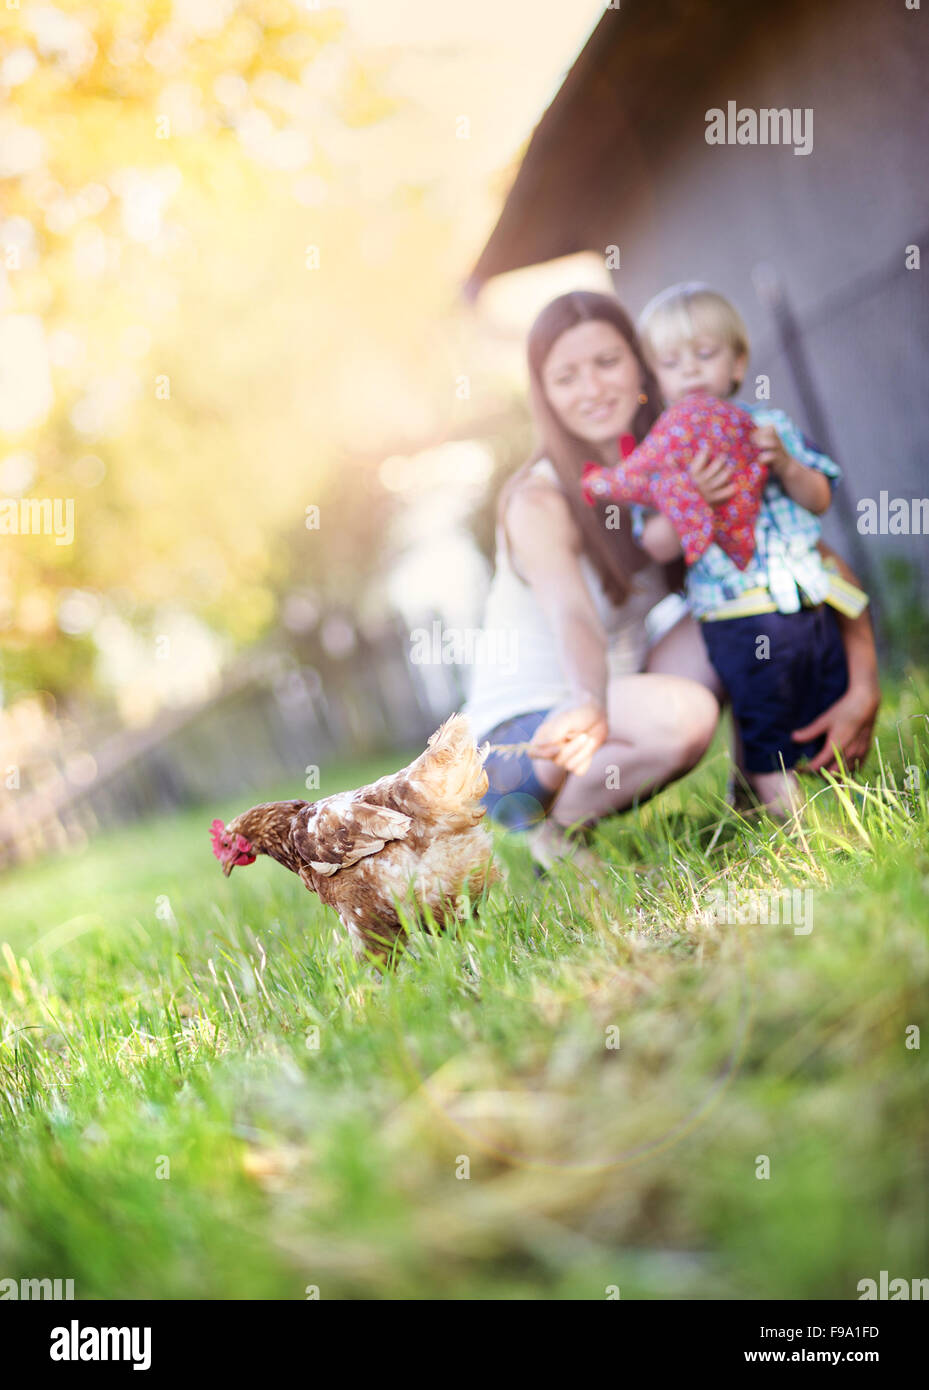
{"x": 617, "y": 104}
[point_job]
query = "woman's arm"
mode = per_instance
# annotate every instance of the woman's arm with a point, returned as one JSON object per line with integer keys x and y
{"x": 849, "y": 724}
{"x": 546, "y": 548}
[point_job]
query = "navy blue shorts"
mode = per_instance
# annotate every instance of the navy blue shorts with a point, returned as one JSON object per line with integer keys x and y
{"x": 781, "y": 685}
{"x": 515, "y": 798}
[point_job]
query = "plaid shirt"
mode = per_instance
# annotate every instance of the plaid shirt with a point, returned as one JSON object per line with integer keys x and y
{"x": 786, "y": 561}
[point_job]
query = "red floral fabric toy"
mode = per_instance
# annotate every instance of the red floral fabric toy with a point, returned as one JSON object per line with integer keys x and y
{"x": 656, "y": 475}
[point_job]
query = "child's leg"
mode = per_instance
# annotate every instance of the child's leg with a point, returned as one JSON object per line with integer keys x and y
{"x": 799, "y": 667}
{"x": 755, "y": 660}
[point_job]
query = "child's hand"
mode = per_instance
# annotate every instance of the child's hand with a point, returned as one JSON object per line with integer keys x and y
{"x": 772, "y": 451}
{"x": 807, "y": 486}
{"x": 711, "y": 477}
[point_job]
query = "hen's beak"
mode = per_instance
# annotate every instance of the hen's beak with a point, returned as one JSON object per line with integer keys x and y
{"x": 228, "y": 867}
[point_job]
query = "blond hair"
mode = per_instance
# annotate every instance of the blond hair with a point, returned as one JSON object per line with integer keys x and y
{"x": 682, "y": 312}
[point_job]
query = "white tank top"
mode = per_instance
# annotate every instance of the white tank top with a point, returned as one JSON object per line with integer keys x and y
{"x": 515, "y": 666}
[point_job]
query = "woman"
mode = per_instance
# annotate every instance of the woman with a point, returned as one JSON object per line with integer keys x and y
{"x": 610, "y": 717}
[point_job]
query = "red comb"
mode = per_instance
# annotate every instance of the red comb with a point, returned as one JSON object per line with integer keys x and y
{"x": 234, "y": 847}
{"x": 220, "y": 839}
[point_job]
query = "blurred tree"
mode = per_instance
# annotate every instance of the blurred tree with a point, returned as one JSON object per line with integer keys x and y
{"x": 242, "y": 291}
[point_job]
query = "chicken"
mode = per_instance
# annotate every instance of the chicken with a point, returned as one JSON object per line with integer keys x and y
{"x": 411, "y": 838}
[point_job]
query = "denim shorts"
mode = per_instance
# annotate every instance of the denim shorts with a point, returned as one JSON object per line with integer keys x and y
{"x": 515, "y": 798}
{"x": 782, "y": 684}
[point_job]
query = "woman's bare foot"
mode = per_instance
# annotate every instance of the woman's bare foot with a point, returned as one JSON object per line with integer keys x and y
{"x": 550, "y": 845}
{"x": 778, "y": 792}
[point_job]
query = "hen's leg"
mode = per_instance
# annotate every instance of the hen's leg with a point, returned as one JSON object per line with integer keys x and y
{"x": 381, "y": 944}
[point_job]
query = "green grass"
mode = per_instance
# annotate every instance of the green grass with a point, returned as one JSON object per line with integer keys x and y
{"x": 312, "y": 1121}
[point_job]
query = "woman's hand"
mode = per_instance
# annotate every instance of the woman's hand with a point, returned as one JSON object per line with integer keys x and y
{"x": 849, "y": 723}
{"x": 570, "y": 737}
{"x": 711, "y": 477}
{"x": 848, "y": 726}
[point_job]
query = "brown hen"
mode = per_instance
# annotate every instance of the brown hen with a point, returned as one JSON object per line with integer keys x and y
{"x": 413, "y": 838}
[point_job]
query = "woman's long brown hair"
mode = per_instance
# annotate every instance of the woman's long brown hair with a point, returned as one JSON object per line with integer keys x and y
{"x": 614, "y": 553}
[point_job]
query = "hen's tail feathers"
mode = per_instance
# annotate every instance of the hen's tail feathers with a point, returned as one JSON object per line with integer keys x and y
{"x": 450, "y": 774}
